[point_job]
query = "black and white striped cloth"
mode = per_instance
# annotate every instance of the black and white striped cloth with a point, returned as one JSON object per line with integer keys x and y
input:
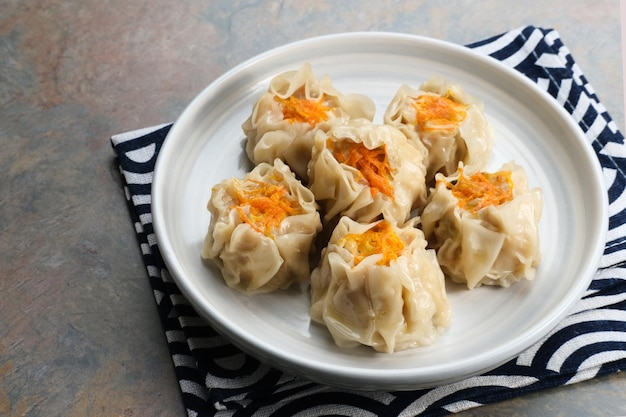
{"x": 217, "y": 379}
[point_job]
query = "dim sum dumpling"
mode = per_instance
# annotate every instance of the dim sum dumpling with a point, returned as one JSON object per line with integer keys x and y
{"x": 262, "y": 229}
{"x": 484, "y": 227}
{"x": 447, "y": 120}
{"x": 377, "y": 285}
{"x": 363, "y": 170}
{"x": 285, "y": 118}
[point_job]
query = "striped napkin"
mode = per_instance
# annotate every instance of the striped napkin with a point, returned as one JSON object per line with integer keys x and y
{"x": 218, "y": 379}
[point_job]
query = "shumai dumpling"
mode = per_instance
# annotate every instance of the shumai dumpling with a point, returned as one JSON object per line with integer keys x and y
{"x": 447, "y": 120}
{"x": 377, "y": 285}
{"x": 262, "y": 229}
{"x": 285, "y": 118}
{"x": 484, "y": 227}
{"x": 364, "y": 170}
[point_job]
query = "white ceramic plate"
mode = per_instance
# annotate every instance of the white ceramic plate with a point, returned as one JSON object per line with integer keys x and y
{"x": 489, "y": 325}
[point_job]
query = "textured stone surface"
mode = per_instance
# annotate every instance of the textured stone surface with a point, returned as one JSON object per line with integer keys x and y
{"x": 79, "y": 333}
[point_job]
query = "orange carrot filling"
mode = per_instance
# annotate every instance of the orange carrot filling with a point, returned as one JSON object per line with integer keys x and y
{"x": 379, "y": 239}
{"x": 481, "y": 189}
{"x": 297, "y": 108}
{"x": 438, "y": 113}
{"x": 264, "y": 206}
{"x": 373, "y": 164}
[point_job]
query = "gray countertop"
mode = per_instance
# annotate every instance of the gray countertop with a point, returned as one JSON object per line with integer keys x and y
{"x": 79, "y": 330}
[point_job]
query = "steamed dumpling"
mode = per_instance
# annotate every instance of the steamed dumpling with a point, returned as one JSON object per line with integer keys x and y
{"x": 262, "y": 229}
{"x": 364, "y": 170}
{"x": 285, "y": 118}
{"x": 447, "y": 120}
{"x": 484, "y": 227}
{"x": 377, "y": 285}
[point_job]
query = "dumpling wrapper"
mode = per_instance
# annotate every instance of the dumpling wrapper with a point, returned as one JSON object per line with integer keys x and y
{"x": 497, "y": 245}
{"x": 460, "y": 133}
{"x": 342, "y": 190}
{"x": 387, "y": 307}
{"x": 270, "y": 135}
{"x": 252, "y": 261}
